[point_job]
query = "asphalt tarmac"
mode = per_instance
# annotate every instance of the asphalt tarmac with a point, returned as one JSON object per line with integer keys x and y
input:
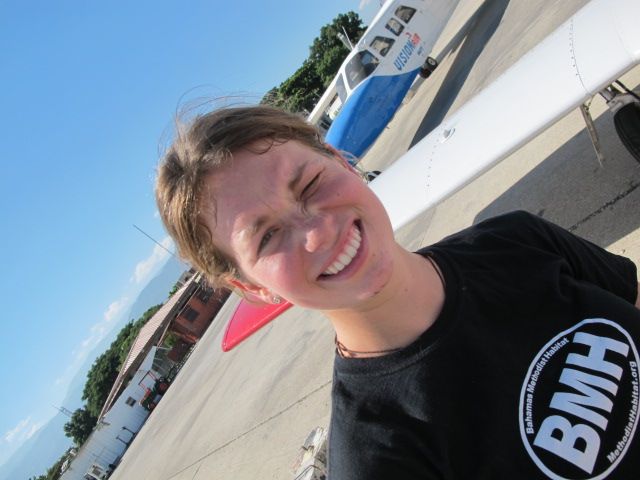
{"x": 244, "y": 414}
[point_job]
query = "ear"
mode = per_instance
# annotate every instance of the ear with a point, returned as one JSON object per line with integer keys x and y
{"x": 252, "y": 291}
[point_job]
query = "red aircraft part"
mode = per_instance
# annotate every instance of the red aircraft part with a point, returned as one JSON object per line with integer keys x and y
{"x": 247, "y": 319}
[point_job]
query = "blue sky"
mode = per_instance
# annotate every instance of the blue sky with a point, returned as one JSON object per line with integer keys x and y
{"x": 88, "y": 90}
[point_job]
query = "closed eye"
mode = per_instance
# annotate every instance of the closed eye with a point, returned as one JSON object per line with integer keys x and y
{"x": 308, "y": 189}
{"x": 266, "y": 238}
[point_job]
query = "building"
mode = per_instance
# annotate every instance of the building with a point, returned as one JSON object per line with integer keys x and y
{"x": 185, "y": 317}
{"x": 180, "y": 322}
{"x": 115, "y": 430}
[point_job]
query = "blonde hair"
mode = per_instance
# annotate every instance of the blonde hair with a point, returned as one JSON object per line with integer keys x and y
{"x": 202, "y": 146}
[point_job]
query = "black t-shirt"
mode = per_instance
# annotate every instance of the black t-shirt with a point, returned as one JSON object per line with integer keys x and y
{"x": 530, "y": 371}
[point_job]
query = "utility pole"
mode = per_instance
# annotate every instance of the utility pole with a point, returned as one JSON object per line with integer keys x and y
{"x": 64, "y": 411}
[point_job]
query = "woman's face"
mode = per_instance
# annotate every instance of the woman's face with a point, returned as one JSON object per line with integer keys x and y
{"x": 301, "y": 226}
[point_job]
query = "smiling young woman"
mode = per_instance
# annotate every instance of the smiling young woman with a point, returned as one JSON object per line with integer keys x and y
{"x": 447, "y": 362}
{"x": 272, "y": 211}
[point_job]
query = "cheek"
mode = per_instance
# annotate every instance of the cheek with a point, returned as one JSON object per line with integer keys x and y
{"x": 279, "y": 271}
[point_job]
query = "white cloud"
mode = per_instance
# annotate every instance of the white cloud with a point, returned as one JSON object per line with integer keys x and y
{"x": 144, "y": 268}
{"x": 115, "y": 309}
{"x": 363, "y": 4}
{"x": 100, "y": 329}
{"x": 97, "y": 332}
{"x": 33, "y": 430}
{"x": 24, "y": 430}
{"x": 14, "y": 433}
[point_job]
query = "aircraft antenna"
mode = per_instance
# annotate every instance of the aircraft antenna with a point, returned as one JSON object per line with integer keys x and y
{"x": 159, "y": 244}
{"x": 344, "y": 38}
{"x": 153, "y": 239}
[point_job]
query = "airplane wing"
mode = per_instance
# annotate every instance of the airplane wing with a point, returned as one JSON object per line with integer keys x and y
{"x": 585, "y": 54}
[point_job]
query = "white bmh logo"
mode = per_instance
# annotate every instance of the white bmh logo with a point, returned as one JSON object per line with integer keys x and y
{"x": 579, "y": 401}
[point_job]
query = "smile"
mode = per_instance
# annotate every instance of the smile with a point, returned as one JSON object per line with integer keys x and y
{"x": 345, "y": 257}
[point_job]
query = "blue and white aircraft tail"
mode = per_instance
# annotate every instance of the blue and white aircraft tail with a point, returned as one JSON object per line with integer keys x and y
{"x": 377, "y": 74}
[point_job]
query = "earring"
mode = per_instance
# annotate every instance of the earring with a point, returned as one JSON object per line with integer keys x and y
{"x": 276, "y": 299}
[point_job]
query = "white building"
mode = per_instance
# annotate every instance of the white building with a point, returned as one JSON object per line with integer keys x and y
{"x": 116, "y": 429}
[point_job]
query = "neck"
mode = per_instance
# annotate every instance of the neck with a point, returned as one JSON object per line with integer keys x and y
{"x": 398, "y": 315}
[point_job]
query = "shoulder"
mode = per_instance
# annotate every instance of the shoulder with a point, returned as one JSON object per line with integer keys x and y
{"x": 513, "y": 237}
{"x": 512, "y": 223}
{"x": 517, "y": 226}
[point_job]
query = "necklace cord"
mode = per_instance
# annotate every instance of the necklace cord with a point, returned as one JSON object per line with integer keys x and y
{"x": 435, "y": 266}
{"x": 344, "y": 352}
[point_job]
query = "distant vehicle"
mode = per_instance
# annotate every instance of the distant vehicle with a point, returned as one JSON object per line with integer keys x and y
{"x": 377, "y": 74}
{"x": 151, "y": 398}
{"x": 153, "y": 395}
{"x": 97, "y": 472}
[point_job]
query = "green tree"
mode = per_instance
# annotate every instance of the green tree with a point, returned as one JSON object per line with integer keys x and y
{"x": 174, "y": 289}
{"x": 80, "y": 426}
{"x": 327, "y": 51}
{"x": 302, "y": 90}
{"x": 100, "y": 379}
{"x": 272, "y": 97}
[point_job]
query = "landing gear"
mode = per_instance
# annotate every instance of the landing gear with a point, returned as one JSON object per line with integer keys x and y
{"x": 625, "y": 105}
{"x": 429, "y": 66}
{"x": 627, "y": 122}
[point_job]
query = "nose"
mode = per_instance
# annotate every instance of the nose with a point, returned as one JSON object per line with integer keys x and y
{"x": 319, "y": 231}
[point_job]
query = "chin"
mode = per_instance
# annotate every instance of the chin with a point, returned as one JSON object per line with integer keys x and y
{"x": 374, "y": 289}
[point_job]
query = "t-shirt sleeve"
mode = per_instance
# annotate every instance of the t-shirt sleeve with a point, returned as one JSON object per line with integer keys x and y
{"x": 587, "y": 261}
{"x": 369, "y": 440}
{"x": 373, "y": 458}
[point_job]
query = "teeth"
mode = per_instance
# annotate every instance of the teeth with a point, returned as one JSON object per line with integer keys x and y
{"x": 345, "y": 257}
{"x": 351, "y": 251}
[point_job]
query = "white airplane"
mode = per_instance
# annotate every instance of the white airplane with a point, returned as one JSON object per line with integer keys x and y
{"x": 583, "y": 57}
{"x": 375, "y": 77}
